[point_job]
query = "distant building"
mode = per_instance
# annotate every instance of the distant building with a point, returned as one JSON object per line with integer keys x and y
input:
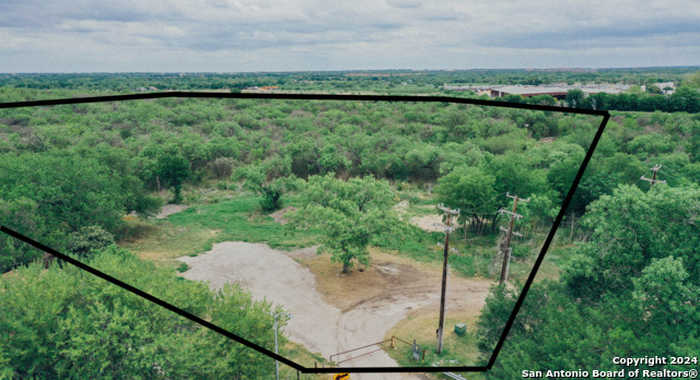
{"x": 667, "y": 88}
{"x": 529, "y": 91}
{"x": 558, "y": 90}
{"x": 260, "y": 89}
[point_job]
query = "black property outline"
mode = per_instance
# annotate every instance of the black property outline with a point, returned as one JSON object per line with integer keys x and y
{"x": 386, "y": 98}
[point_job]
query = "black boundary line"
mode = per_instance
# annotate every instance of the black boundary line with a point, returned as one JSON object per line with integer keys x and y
{"x": 148, "y": 297}
{"x": 246, "y": 95}
{"x": 548, "y": 241}
{"x": 397, "y": 98}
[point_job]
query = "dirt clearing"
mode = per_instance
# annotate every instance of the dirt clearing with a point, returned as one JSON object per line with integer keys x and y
{"x": 278, "y": 215}
{"x": 332, "y": 312}
{"x": 170, "y": 209}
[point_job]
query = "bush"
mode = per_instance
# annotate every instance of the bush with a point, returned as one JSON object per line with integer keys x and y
{"x": 271, "y": 199}
{"x": 89, "y": 239}
{"x": 222, "y": 167}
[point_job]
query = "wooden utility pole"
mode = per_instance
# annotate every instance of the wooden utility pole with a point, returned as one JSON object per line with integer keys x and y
{"x": 653, "y": 179}
{"x": 505, "y": 246}
{"x": 449, "y": 214}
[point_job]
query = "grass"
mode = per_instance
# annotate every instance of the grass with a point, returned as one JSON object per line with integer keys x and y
{"x": 299, "y": 354}
{"x": 238, "y": 218}
{"x": 218, "y": 217}
{"x": 421, "y": 325}
{"x": 196, "y": 229}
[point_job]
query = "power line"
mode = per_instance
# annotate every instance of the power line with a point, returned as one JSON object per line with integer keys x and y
{"x": 505, "y": 246}
{"x": 449, "y": 214}
{"x": 652, "y": 181}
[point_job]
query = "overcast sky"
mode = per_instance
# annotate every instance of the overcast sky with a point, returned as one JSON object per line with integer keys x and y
{"x": 301, "y": 35}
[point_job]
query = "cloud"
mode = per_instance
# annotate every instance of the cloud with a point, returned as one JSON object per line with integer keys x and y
{"x": 404, "y": 3}
{"x": 241, "y": 35}
{"x": 686, "y": 31}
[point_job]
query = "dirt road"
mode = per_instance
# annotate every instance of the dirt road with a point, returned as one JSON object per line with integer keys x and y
{"x": 321, "y": 327}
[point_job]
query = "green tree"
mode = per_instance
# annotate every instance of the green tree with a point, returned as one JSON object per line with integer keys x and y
{"x": 684, "y": 99}
{"x": 574, "y": 98}
{"x": 631, "y": 288}
{"x": 173, "y": 169}
{"x": 347, "y": 213}
{"x": 258, "y": 180}
{"x": 62, "y": 323}
{"x": 50, "y": 195}
{"x": 654, "y": 89}
{"x": 629, "y": 229}
{"x": 470, "y": 189}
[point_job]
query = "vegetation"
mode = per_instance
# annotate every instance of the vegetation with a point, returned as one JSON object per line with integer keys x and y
{"x": 684, "y": 99}
{"x": 347, "y": 213}
{"x": 81, "y": 177}
{"x": 632, "y": 286}
{"x": 82, "y": 327}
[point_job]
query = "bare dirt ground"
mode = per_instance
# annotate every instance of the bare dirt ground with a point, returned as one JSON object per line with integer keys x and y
{"x": 430, "y": 222}
{"x": 332, "y": 312}
{"x": 170, "y": 209}
{"x": 278, "y": 215}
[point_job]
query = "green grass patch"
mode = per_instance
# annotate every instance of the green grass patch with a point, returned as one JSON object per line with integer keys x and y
{"x": 240, "y": 219}
{"x": 456, "y": 350}
{"x": 196, "y": 229}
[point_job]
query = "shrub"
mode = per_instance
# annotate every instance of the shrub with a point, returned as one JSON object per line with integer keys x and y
{"x": 89, "y": 239}
{"x": 271, "y": 199}
{"x": 222, "y": 167}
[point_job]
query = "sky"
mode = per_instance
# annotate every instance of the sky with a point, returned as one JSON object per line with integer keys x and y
{"x": 309, "y": 35}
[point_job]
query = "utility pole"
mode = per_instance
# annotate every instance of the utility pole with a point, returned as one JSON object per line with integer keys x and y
{"x": 505, "y": 246}
{"x": 653, "y": 179}
{"x": 449, "y": 214}
{"x": 275, "y": 327}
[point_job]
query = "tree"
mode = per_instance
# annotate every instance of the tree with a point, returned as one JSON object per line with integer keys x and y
{"x": 654, "y": 89}
{"x": 574, "y": 98}
{"x": 63, "y": 323}
{"x": 513, "y": 174}
{"x": 258, "y": 180}
{"x": 348, "y": 214}
{"x": 173, "y": 169}
{"x": 305, "y": 155}
{"x": 21, "y": 214}
{"x": 629, "y": 229}
{"x": 222, "y": 167}
{"x": 685, "y": 99}
{"x": 471, "y": 190}
{"x": 631, "y": 288}
{"x": 54, "y": 194}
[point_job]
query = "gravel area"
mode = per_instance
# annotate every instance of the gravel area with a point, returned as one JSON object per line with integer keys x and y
{"x": 274, "y": 275}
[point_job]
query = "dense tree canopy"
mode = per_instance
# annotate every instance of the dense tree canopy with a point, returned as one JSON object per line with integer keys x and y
{"x": 52, "y": 195}
{"x": 632, "y": 288}
{"x": 71, "y": 175}
{"x": 63, "y": 323}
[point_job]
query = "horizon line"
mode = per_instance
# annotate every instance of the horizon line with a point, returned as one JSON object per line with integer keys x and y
{"x": 551, "y": 68}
